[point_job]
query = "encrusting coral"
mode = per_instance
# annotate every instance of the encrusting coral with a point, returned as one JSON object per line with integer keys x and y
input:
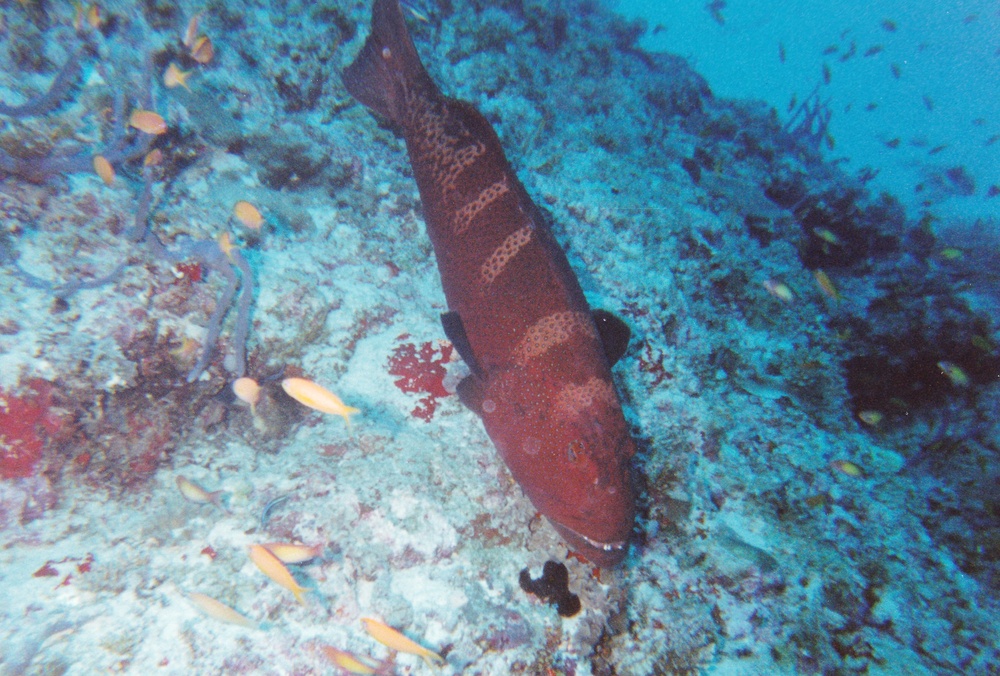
{"x": 98, "y": 110}
{"x": 124, "y": 147}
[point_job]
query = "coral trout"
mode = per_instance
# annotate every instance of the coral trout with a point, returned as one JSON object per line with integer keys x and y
{"x": 540, "y": 360}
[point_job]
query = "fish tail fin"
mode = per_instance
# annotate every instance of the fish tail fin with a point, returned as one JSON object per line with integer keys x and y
{"x": 433, "y": 660}
{"x": 348, "y": 412}
{"x": 387, "y": 65}
{"x": 218, "y": 498}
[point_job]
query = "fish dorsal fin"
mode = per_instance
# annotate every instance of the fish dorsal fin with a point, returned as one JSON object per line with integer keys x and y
{"x": 455, "y": 330}
{"x": 470, "y": 393}
{"x": 614, "y": 333}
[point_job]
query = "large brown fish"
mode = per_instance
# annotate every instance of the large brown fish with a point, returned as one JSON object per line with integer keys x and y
{"x": 539, "y": 358}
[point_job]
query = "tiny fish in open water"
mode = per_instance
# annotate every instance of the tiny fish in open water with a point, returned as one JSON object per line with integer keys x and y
{"x": 779, "y": 290}
{"x": 847, "y": 467}
{"x": 954, "y": 373}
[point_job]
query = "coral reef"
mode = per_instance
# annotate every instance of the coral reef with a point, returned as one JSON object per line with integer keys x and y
{"x": 755, "y": 550}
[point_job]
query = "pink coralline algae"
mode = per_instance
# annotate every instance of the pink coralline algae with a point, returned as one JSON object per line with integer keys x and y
{"x": 80, "y": 564}
{"x": 24, "y": 422}
{"x": 421, "y": 370}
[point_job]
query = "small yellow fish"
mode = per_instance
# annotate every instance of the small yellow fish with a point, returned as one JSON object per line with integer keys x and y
{"x": 248, "y": 215}
{"x": 779, "y": 290}
{"x": 847, "y": 467}
{"x": 195, "y": 493}
{"x": 271, "y": 566}
{"x": 226, "y": 245}
{"x": 220, "y": 611}
{"x": 826, "y": 285}
{"x": 94, "y": 16}
{"x": 153, "y": 158}
{"x": 870, "y": 418}
{"x": 951, "y": 253}
{"x": 308, "y": 393}
{"x": 104, "y": 170}
{"x": 202, "y": 50}
{"x": 346, "y": 661}
{"x": 173, "y": 76}
{"x": 391, "y": 638}
{"x": 413, "y": 10}
{"x": 147, "y": 122}
{"x": 827, "y": 236}
{"x": 290, "y": 552}
{"x": 954, "y": 372}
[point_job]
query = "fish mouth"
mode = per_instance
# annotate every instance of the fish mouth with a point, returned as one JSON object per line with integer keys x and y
{"x": 603, "y": 554}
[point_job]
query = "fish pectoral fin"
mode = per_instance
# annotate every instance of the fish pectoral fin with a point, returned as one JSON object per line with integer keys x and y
{"x": 614, "y": 334}
{"x": 470, "y": 393}
{"x": 455, "y": 330}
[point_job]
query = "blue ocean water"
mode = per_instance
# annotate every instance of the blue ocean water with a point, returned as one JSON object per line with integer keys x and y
{"x": 792, "y": 211}
{"x": 920, "y": 74}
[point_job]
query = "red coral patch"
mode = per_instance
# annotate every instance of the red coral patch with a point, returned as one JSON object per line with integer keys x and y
{"x": 50, "y": 568}
{"x": 21, "y": 421}
{"x": 422, "y": 371}
{"x": 189, "y": 272}
{"x": 47, "y": 571}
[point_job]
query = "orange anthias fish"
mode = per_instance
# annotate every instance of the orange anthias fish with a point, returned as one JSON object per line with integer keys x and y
{"x": 173, "y": 76}
{"x": 226, "y": 245}
{"x": 202, "y": 50}
{"x": 192, "y": 492}
{"x": 347, "y": 661}
{"x": 192, "y": 30}
{"x": 94, "y": 17}
{"x": 248, "y": 215}
{"x": 248, "y": 391}
{"x": 104, "y": 169}
{"x": 308, "y": 393}
{"x": 290, "y": 552}
{"x": 220, "y": 611}
{"x": 392, "y": 638}
{"x": 271, "y": 566}
{"x": 153, "y": 158}
{"x": 147, "y": 122}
